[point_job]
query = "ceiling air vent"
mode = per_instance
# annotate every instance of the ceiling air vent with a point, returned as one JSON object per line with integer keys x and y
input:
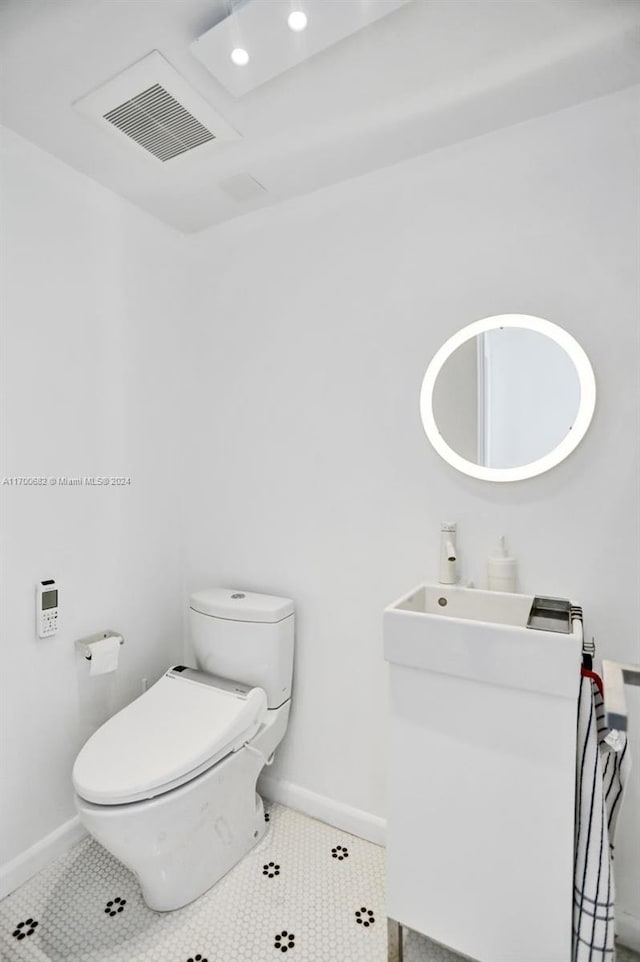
{"x": 151, "y": 106}
{"x": 156, "y": 121}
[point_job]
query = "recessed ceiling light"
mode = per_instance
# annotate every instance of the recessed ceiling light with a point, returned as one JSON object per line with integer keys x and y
{"x": 240, "y": 57}
{"x": 297, "y": 20}
{"x": 262, "y": 29}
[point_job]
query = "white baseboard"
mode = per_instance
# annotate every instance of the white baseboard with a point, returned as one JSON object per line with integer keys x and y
{"x": 352, "y": 820}
{"x": 29, "y": 863}
{"x": 628, "y": 930}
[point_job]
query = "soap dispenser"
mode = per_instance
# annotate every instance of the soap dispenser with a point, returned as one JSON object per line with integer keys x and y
{"x": 501, "y": 569}
{"x": 448, "y": 554}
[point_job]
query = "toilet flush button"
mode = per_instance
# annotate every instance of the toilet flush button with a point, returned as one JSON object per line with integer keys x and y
{"x": 238, "y": 594}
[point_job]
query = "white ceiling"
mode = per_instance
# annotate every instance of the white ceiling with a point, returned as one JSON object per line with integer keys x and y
{"x": 431, "y": 73}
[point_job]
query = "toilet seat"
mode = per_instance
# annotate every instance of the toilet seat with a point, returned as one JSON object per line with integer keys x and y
{"x": 177, "y": 729}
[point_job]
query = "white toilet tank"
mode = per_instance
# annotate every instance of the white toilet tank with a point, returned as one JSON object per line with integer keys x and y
{"x": 244, "y": 636}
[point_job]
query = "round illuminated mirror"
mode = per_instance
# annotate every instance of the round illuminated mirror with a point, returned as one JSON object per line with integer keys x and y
{"x": 507, "y": 397}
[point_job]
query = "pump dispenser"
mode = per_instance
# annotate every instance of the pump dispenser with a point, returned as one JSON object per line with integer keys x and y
{"x": 501, "y": 569}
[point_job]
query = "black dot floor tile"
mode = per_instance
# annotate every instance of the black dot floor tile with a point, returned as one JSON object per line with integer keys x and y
{"x": 365, "y": 917}
{"x": 340, "y": 852}
{"x": 114, "y": 906}
{"x": 24, "y": 929}
{"x": 87, "y": 907}
{"x": 285, "y": 941}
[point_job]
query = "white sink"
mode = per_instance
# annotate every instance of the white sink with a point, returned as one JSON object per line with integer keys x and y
{"x": 481, "y": 635}
{"x": 482, "y": 742}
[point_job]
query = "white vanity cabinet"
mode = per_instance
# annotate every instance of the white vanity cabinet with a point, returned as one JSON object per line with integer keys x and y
{"x": 481, "y": 773}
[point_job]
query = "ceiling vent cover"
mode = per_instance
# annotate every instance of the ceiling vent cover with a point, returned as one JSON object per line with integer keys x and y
{"x": 156, "y": 121}
{"x": 151, "y": 106}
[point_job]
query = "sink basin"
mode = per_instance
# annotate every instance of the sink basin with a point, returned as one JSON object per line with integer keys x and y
{"x": 472, "y": 604}
{"x": 483, "y": 636}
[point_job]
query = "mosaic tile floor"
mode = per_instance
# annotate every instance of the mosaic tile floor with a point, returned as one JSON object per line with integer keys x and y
{"x": 307, "y": 891}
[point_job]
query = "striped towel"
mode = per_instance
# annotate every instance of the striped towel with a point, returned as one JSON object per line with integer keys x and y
{"x": 603, "y": 764}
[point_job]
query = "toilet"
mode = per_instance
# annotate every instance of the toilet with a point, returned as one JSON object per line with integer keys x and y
{"x": 168, "y": 784}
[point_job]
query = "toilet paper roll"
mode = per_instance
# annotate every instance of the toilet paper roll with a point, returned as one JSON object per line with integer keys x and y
{"x": 104, "y": 655}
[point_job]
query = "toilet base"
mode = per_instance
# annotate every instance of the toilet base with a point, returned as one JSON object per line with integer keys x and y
{"x": 181, "y": 843}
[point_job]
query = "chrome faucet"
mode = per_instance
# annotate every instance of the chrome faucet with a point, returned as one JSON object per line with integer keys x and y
{"x": 448, "y": 554}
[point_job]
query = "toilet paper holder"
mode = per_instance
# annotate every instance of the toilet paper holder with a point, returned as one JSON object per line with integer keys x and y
{"x": 84, "y": 644}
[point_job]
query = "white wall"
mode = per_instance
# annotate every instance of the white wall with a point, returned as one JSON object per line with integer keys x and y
{"x": 90, "y": 379}
{"x": 311, "y": 327}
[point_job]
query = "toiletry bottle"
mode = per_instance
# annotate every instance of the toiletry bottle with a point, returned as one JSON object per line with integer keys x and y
{"x": 501, "y": 569}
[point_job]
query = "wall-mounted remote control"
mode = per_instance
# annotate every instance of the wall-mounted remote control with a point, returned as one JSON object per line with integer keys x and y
{"x": 46, "y": 608}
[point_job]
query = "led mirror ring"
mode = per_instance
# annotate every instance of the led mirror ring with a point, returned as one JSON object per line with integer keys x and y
{"x": 568, "y": 443}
